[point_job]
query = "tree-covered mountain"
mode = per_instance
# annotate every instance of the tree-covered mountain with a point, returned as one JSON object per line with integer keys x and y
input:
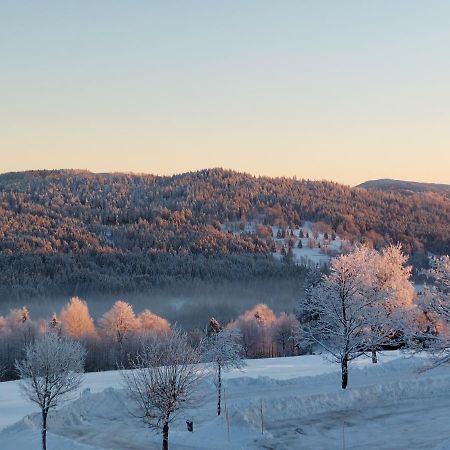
{"x": 406, "y": 186}
{"x": 136, "y": 230}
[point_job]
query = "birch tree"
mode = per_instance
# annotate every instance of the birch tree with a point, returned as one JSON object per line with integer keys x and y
{"x": 50, "y": 371}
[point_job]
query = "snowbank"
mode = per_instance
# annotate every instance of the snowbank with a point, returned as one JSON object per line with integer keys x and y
{"x": 300, "y": 399}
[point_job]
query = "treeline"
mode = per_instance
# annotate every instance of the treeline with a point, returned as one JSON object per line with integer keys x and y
{"x": 366, "y": 303}
{"x": 116, "y": 337}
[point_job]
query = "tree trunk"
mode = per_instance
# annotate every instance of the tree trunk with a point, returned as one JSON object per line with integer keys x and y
{"x": 44, "y": 429}
{"x": 344, "y": 368}
{"x": 165, "y": 443}
{"x": 219, "y": 387}
{"x": 374, "y": 356}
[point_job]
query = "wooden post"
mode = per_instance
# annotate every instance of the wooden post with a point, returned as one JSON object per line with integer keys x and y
{"x": 343, "y": 435}
{"x": 226, "y": 414}
{"x": 262, "y": 418}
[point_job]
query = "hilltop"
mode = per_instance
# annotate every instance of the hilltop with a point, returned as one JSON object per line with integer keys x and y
{"x": 406, "y": 186}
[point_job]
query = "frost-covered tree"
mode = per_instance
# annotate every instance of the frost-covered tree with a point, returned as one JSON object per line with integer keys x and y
{"x": 20, "y": 315}
{"x": 76, "y": 322}
{"x": 393, "y": 323}
{"x": 3, "y": 325}
{"x": 213, "y": 327}
{"x": 119, "y": 328}
{"x": 50, "y": 371}
{"x": 435, "y": 303}
{"x": 20, "y": 325}
{"x": 18, "y": 330}
{"x": 119, "y": 322}
{"x": 54, "y": 324}
{"x": 223, "y": 349}
{"x": 286, "y": 333}
{"x": 149, "y": 323}
{"x": 343, "y": 308}
{"x": 255, "y": 326}
{"x": 164, "y": 379}
{"x": 251, "y": 335}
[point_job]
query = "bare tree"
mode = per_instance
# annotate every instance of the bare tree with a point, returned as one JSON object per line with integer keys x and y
{"x": 223, "y": 349}
{"x": 164, "y": 379}
{"x": 50, "y": 371}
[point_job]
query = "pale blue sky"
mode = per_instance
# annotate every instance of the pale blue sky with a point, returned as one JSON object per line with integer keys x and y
{"x": 343, "y": 90}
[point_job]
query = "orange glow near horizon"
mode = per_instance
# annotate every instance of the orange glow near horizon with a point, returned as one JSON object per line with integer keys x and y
{"x": 319, "y": 90}
{"x": 319, "y": 165}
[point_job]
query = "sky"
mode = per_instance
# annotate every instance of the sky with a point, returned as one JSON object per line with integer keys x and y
{"x": 341, "y": 90}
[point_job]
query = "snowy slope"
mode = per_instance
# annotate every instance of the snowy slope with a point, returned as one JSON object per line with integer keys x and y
{"x": 305, "y": 255}
{"x": 387, "y": 406}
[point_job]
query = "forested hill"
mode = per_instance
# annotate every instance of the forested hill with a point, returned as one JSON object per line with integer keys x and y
{"x": 79, "y": 211}
{"x": 406, "y": 186}
{"x": 87, "y": 222}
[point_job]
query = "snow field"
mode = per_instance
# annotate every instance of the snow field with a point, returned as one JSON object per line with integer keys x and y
{"x": 303, "y": 407}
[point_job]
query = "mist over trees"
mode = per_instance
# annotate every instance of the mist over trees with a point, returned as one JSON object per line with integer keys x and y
{"x": 364, "y": 303}
{"x": 37, "y": 276}
{"x": 118, "y": 334}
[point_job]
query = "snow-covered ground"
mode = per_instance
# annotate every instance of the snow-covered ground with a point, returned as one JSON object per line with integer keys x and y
{"x": 390, "y": 405}
{"x": 306, "y": 256}
{"x": 310, "y": 256}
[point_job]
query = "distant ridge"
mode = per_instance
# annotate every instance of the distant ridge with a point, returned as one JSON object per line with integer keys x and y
{"x": 387, "y": 184}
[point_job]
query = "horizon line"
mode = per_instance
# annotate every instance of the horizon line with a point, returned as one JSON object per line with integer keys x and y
{"x": 243, "y": 172}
